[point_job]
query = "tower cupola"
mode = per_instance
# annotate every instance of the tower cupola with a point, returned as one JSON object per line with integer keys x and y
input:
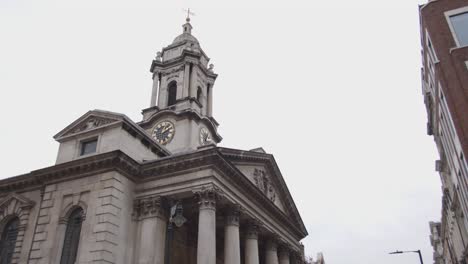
{"x": 182, "y": 93}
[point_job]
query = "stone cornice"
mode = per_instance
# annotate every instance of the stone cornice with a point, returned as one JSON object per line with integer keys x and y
{"x": 182, "y": 59}
{"x": 115, "y": 160}
{"x": 151, "y": 170}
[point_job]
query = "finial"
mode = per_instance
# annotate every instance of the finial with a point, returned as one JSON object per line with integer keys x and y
{"x": 158, "y": 56}
{"x": 188, "y": 15}
{"x": 211, "y": 67}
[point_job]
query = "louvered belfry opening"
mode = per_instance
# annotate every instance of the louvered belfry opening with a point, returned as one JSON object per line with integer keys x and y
{"x": 172, "y": 93}
{"x": 72, "y": 237}
{"x": 7, "y": 244}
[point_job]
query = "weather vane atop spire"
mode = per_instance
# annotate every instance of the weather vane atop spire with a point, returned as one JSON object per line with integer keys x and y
{"x": 189, "y": 13}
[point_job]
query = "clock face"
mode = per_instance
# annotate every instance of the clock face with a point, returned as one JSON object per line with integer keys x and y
{"x": 163, "y": 132}
{"x": 205, "y": 136}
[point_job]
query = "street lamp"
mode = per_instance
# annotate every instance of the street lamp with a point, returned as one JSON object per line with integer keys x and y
{"x": 415, "y": 251}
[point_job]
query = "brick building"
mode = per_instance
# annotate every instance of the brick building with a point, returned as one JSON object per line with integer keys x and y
{"x": 444, "y": 40}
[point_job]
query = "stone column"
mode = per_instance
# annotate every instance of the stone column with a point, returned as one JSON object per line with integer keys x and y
{"x": 231, "y": 237}
{"x": 193, "y": 81}
{"x": 154, "y": 92}
{"x": 283, "y": 256}
{"x": 206, "y": 248}
{"x": 271, "y": 252}
{"x": 185, "y": 91}
{"x": 153, "y": 222}
{"x": 251, "y": 245}
{"x": 209, "y": 107}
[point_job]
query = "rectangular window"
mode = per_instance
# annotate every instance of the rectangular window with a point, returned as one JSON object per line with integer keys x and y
{"x": 460, "y": 26}
{"x": 431, "y": 50}
{"x": 88, "y": 147}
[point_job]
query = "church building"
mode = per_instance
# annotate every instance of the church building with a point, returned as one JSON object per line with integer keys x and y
{"x": 157, "y": 191}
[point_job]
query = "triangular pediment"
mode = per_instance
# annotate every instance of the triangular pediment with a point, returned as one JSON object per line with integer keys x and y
{"x": 262, "y": 170}
{"x": 14, "y": 200}
{"x": 90, "y": 121}
{"x": 263, "y": 179}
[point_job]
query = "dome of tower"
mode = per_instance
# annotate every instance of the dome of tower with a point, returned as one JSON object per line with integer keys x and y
{"x": 185, "y": 37}
{"x": 186, "y": 34}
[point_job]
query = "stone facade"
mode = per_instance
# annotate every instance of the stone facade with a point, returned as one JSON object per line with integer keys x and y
{"x": 140, "y": 201}
{"x": 445, "y": 86}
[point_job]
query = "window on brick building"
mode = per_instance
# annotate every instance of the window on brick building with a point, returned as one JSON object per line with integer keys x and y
{"x": 8, "y": 241}
{"x": 460, "y": 26}
{"x": 72, "y": 237}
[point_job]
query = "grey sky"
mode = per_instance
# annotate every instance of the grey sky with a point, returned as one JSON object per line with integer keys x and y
{"x": 332, "y": 89}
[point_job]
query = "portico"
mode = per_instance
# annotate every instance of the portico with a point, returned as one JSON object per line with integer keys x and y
{"x": 226, "y": 233}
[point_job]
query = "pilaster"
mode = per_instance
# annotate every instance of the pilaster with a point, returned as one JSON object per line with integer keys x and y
{"x": 151, "y": 214}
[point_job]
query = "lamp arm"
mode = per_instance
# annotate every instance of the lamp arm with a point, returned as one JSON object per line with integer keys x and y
{"x": 420, "y": 257}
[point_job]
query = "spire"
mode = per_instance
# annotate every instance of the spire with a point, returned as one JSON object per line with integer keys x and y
{"x": 187, "y": 31}
{"x": 187, "y": 26}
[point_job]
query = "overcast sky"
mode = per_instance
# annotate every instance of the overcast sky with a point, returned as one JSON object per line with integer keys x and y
{"x": 331, "y": 88}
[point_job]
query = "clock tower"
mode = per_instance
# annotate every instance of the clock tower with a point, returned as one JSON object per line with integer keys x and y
{"x": 180, "y": 112}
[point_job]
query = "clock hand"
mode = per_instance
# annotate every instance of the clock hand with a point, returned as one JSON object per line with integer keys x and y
{"x": 165, "y": 129}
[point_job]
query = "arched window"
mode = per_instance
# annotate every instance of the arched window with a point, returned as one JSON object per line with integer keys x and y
{"x": 172, "y": 93}
{"x": 7, "y": 244}
{"x": 199, "y": 94}
{"x": 72, "y": 237}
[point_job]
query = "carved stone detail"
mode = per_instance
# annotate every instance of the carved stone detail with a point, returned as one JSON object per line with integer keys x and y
{"x": 271, "y": 244}
{"x": 207, "y": 197}
{"x": 149, "y": 207}
{"x": 174, "y": 70}
{"x": 263, "y": 183}
{"x": 252, "y": 230}
{"x": 284, "y": 251}
{"x": 92, "y": 122}
{"x": 232, "y": 216}
{"x": 172, "y": 76}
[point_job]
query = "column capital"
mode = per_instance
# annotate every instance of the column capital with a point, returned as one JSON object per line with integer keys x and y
{"x": 252, "y": 229}
{"x": 207, "y": 196}
{"x": 232, "y": 215}
{"x": 284, "y": 251}
{"x": 148, "y": 207}
{"x": 297, "y": 257}
{"x": 271, "y": 244}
